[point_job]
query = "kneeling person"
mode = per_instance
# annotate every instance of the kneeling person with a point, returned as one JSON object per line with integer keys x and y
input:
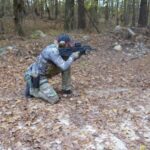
{"x": 48, "y": 64}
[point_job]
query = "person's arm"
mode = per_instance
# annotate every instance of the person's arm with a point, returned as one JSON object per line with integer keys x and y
{"x": 55, "y": 57}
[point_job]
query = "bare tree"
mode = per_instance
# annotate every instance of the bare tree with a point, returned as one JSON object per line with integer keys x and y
{"x": 125, "y": 13}
{"x": 19, "y": 11}
{"x": 133, "y": 15}
{"x": 69, "y": 15}
{"x": 48, "y": 9}
{"x": 117, "y": 15}
{"x": 148, "y": 10}
{"x": 2, "y": 7}
{"x": 81, "y": 15}
{"x": 143, "y": 19}
{"x": 56, "y": 9}
{"x": 106, "y": 10}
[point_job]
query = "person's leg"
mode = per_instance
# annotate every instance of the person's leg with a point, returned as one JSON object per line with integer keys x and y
{"x": 27, "y": 79}
{"x": 66, "y": 81}
{"x": 46, "y": 91}
{"x": 27, "y": 91}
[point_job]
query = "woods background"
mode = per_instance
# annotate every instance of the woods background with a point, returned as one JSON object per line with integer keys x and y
{"x": 92, "y": 15}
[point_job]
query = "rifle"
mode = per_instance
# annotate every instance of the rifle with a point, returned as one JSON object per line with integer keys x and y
{"x": 83, "y": 49}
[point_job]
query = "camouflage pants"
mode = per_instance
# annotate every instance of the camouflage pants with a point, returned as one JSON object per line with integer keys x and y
{"x": 66, "y": 77}
{"x": 45, "y": 90}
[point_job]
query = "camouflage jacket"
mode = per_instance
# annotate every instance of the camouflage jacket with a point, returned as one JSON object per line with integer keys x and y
{"x": 48, "y": 58}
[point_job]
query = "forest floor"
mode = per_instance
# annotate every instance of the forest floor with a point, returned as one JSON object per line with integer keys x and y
{"x": 110, "y": 108}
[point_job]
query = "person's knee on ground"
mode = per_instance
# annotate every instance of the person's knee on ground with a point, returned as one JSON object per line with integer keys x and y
{"x": 47, "y": 93}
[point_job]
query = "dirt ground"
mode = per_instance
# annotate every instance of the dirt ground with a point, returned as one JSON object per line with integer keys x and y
{"x": 109, "y": 110}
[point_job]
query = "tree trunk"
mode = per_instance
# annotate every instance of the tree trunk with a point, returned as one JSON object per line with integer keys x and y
{"x": 2, "y": 8}
{"x": 52, "y": 8}
{"x": 129, "y": 12}
{"x": 148, "y": 7}
{"x": 93, "y": 11}
{"x": 41, "y": 9}
{"x": 2, "y": 12}
{"x": 133, "y": 15}
{"x": 19, "y": 9}
{"x": 69, "y": 15}
{"x": 106, "y": 11}
{"x": 48, "y": 10}
{"x": 56, "y": 9}
{"x": 125, "y": 13}
{"x": 112, "y": 8}
{"x": 143, "y": 19}
{"x": 36, "y": 7}
{"x": 81, "y": 15}
{"x": 117, "y": 17}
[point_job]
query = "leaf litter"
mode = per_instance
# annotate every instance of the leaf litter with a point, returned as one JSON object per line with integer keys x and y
{"x": 110, "y": 110}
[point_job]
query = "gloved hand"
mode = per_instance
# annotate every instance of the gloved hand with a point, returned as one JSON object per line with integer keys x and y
{"x": 75, "y": 55}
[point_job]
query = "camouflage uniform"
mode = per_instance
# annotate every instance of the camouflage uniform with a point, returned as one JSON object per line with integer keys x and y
{"x": 48, "y": 64}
